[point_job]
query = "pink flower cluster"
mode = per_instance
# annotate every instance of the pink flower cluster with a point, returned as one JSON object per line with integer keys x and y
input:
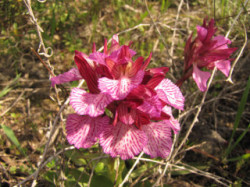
{"x": 127, "y": 107}
{"x": 206, "y": 51}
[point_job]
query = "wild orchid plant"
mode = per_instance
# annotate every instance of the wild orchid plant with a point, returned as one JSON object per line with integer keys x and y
{"x": 127, "y": 107}
{"x": 206, "y": 51}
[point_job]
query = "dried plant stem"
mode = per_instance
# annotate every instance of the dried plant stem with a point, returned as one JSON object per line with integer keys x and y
{"x": 39, "y": 32}
{"x": 157, "y": 29}
{"x": 236, "y": 18}
{"x": 175, "y": 28}
{"x": 229, "y": 79}
{"x": 192, "y": 169}
{"x": 175, "y": 152}
{"x": 162, "y": 174}
{"x": 41, "y": 60}
{"x": 196, "y": 115}
{"x": 131, "y": 170}
{"x": 41, "y": 165}
{"x": 13, "y": 104}
{"x": 44, "y": 164}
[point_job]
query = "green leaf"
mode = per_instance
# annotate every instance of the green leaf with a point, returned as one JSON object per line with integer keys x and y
{"x": 240, "y": 138}
{"x": 8, "y": 88}
{"x": 11, "y": 135}
{"x": 100, "y": 180}
{"x": 53, "y": 23}
{"x": 76, "y": 156}
{"x": 242, "y": 157}
{"x": 139, "y": 171}
{"x": 5, "y": 91}
{"x": 115, "y": 167}
{"x": 237, "y": 120}
{"x": 186, "y": 170}
{"x": 99, "y": 169}
{"x": 51, "y": 176}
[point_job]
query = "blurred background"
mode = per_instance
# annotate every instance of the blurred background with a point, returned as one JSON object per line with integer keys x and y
{"x": 28, "y": 105}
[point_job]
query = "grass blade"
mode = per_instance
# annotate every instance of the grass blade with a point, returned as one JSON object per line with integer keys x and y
{"x": 239, "y": 139}
{"x": 8, "y": 88}
{"x": 10, "y": 134}
{"x": 238, "y": 117}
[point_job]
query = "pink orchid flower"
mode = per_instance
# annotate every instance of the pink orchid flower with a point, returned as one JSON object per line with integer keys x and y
{"x": 206, "y": 51}
{"x": 127, "y": 107}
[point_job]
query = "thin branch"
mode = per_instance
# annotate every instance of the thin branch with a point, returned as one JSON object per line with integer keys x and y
{"x": 131, "y": 170}
{"x": 229, "y": 79}
{"x": 192, "y": 169}
{"x": 41, "y": 60}
{"x": 236, "y": 18}
{"x": 175, "y": 25}
{"x": 39, "y": 31}
{"x": 197, "y": 113}
{"x": 13, "y": 104}
{"x": 44, "y": 164}
{"x": 157, "y": 29}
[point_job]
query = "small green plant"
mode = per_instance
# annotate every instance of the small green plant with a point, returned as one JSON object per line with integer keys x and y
{"x": 240, "y": 111}
{"x": 11, "y": 135}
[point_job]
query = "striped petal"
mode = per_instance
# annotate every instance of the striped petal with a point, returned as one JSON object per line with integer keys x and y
{"x": 170, "y": 93}
{"x": 151, "y": 106}
{"x": 126, "y": 115}
{"x": 119, "y": 89}
{"x": 159, "y": 139}
{"x": 124, "y": 140}
{"x": 172, "y": 122}
{"x": 83, "y": 131}
{"x": 71, "y": 75}
{"x": 88, "y": 104}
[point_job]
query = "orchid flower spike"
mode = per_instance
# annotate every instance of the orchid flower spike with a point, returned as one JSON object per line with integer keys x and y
{"x": 206, "y": 51}
{"x": 127, "y": 107}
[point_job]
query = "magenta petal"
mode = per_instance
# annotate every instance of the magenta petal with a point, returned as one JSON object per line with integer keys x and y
{"x": 84, "y": 56}
{"x": 132, "y": 52}
{"x": 200, "y": 77}
{"x": 115, "y": 40}
{"x": 172, "y": 122}
{"x": 221, "y": 42}
{"x": 119, "y": 89}
{"x": 202, "y": 33}
{"x": 224, "y": 66}
{"x": 126, "y": 114}
{"x": 71, "y": 75}
{"x": 159, "y": 139}
{"x": 151, "y": 106}
{"x": 170, "y": 93}
{"x": 124, "y": 140}
{"x": 83, "y": 131}
{"x": 98, "y": 57}
{"x": 88, "y": 104}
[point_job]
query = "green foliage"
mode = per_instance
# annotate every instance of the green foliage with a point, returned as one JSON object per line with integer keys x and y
{"x": 8, "y": 87}
{"x": 237, "y": 121}
{"x": 165, "y": 4}
{"x": 11, "y": 135}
